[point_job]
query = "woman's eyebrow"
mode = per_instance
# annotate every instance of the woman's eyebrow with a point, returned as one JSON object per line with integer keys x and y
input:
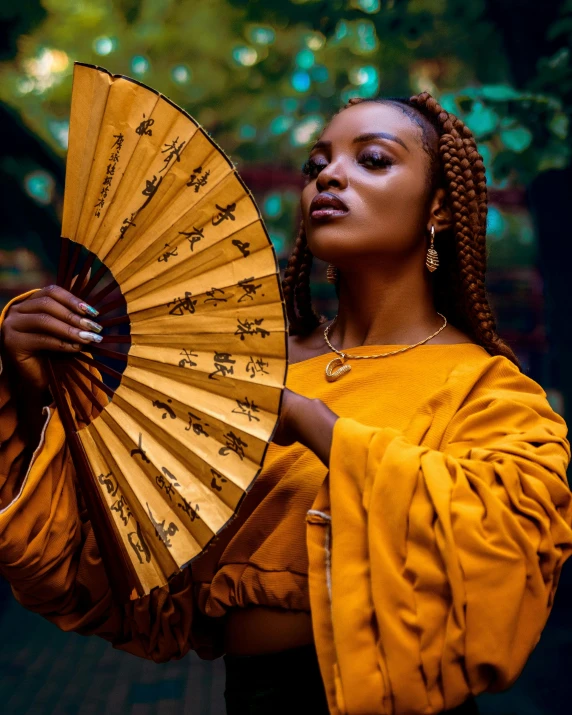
{"x": 322, "y": 144}
{"x": 379, "y": 135}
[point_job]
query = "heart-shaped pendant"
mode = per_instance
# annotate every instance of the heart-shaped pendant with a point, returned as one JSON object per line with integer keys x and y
{"x": 336, "y": 369}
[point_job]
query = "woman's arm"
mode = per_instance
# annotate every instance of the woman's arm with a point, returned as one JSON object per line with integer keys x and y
{"x": 308, "y": 421}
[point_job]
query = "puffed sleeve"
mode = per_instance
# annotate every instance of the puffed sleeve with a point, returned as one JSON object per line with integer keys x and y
{"x": 442, "y": 555}
{"x": 49, "y": 555}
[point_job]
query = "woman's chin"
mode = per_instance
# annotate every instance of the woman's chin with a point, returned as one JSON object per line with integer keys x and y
{"x": 326, "y": 240}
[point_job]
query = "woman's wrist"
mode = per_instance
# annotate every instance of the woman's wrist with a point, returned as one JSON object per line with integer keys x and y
{"x": 313, "y": 423}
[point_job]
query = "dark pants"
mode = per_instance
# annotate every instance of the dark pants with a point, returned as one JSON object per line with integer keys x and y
{"x": 285, "y": 683}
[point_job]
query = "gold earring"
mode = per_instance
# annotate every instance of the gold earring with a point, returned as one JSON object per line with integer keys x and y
{"x": 432, "y": 260}
{"x": 331, "y": 273}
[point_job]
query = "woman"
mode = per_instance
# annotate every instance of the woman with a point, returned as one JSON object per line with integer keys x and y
{"x": 413, "y": 514}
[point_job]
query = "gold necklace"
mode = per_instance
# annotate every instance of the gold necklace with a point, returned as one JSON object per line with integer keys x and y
{"x": 336, "y": 368}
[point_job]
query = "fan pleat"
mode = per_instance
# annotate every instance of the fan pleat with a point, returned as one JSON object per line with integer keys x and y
{"x": 183, "y": 310}
{"x": 176, "y": 207}
{"x": 196, "y": 440}
{"x": 142, "y": 552}
{"x": 164, "y": 489}
{"x": 251, "y": 372}
{"x": 222, "y": 402}
{"x": 220, "y": 266}
{"x": 89, "y": 98}
{"x": 198, "y": 228}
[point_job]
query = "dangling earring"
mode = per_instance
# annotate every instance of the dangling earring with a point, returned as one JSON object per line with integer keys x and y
{"x": 432, "y": 260}
{"x": 331, "y": 273}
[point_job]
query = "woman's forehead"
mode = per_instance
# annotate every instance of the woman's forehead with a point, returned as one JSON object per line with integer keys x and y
{"x": 372, "y": 117}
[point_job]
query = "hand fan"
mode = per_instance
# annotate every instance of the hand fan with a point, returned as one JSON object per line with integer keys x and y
{"x": 165, "y": 240}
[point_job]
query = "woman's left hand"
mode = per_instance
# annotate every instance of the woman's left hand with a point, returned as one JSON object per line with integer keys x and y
{"x": 308, "y": 421}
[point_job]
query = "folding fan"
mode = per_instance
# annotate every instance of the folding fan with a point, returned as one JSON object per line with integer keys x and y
{"x": 165, "y": 240}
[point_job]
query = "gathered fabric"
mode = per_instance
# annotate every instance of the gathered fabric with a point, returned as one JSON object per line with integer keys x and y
{"x": 428, "y": 553}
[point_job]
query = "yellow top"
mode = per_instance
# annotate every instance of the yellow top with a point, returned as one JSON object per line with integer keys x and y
{"x": 429, "y": 556}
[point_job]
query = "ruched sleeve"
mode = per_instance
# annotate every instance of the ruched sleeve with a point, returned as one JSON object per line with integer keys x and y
{"x": 435, "y": 554}
{"x": 49, "y": 555}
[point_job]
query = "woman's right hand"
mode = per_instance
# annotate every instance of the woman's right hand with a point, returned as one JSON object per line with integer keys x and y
{"x": 50, "y": 319}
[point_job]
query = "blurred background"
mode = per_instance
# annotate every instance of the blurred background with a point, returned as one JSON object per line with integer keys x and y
{"x": 263, "y": 77}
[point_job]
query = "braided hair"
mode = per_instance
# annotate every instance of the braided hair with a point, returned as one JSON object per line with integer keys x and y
{"x": 459, "y": 283}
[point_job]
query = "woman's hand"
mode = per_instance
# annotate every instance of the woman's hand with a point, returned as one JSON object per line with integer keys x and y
{"x": 308, "y": 421}
{"x": 50, "y": 319}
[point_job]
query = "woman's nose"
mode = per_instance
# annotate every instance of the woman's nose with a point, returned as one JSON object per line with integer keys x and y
{"x": 333, "y": 174}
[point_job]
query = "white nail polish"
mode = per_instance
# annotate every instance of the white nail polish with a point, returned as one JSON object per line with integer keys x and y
{"x": 90, "y": 336}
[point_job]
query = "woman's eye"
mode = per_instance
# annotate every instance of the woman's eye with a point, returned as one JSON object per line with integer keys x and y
{"x": 312, "y": 168}
{"x": 375, "y": 160}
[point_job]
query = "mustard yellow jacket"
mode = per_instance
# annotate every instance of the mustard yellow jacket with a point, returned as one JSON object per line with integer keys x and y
{"x": 429, "y": 554}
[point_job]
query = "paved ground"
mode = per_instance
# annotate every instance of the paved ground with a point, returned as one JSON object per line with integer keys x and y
{"x": 46, "y": 672}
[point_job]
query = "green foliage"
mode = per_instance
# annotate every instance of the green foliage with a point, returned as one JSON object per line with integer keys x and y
{"x": 520, "y": 133}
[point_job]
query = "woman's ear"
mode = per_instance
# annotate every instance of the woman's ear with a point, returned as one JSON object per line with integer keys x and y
{"x": 439, "y": 212}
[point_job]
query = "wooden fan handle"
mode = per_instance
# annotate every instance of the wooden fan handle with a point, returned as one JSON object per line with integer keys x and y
{"x": 120, "y": 572}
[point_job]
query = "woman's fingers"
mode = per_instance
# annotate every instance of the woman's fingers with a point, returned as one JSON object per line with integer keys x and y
{"x": 37, "y": 342}
{"x": 45, "y": 324}
{"x": 61, "y": 296}
{"x": 46, "y": 307}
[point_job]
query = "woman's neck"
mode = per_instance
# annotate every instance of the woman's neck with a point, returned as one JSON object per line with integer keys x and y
{"x": 376, "y": 310}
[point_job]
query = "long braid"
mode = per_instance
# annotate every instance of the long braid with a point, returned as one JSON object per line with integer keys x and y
{"x": 296, "y": 288}
{"x": 464, "y": 174}
{"x": 459, "y": 284}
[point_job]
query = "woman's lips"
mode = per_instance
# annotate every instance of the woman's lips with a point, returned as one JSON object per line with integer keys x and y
{"x": 327, "y": 213}
{"x": 327, "y": 205}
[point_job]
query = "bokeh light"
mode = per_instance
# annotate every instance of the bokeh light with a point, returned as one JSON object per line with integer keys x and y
{"x": 307, "y": 129}
{"x": 104, "y": 45}
{"x": 39, "y": 185}
{"x": 262, "y": 35}
{"x": 181, "y": 74}
{"x": 281, "y": 124}
{"x": 244, "y": 55}
{"x": 279, "y": 241}
{"x": 60, "y": 130}
{"x": 496, "y": 224}
{"x": 320, "y": 73}
{"x": 46, "y": 69}
{"x": 305, "y": 59}
{"x": 301, "y": 81}
{"x": 315, "y": 41}
{"x": 272, "y": 205}
{"x": 139, "y": 65}
{"x": 367, "y": 36}
{"x": 247, "y": 132}
{"x": 369, "y": 6}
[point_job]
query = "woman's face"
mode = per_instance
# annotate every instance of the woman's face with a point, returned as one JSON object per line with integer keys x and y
{"x": 368, "y": 192}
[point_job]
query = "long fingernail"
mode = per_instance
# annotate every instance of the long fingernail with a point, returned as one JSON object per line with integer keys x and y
{"x": 90, "y": 336}
{"x": 88, "y": 309}
{"x": 85, "y": 323}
